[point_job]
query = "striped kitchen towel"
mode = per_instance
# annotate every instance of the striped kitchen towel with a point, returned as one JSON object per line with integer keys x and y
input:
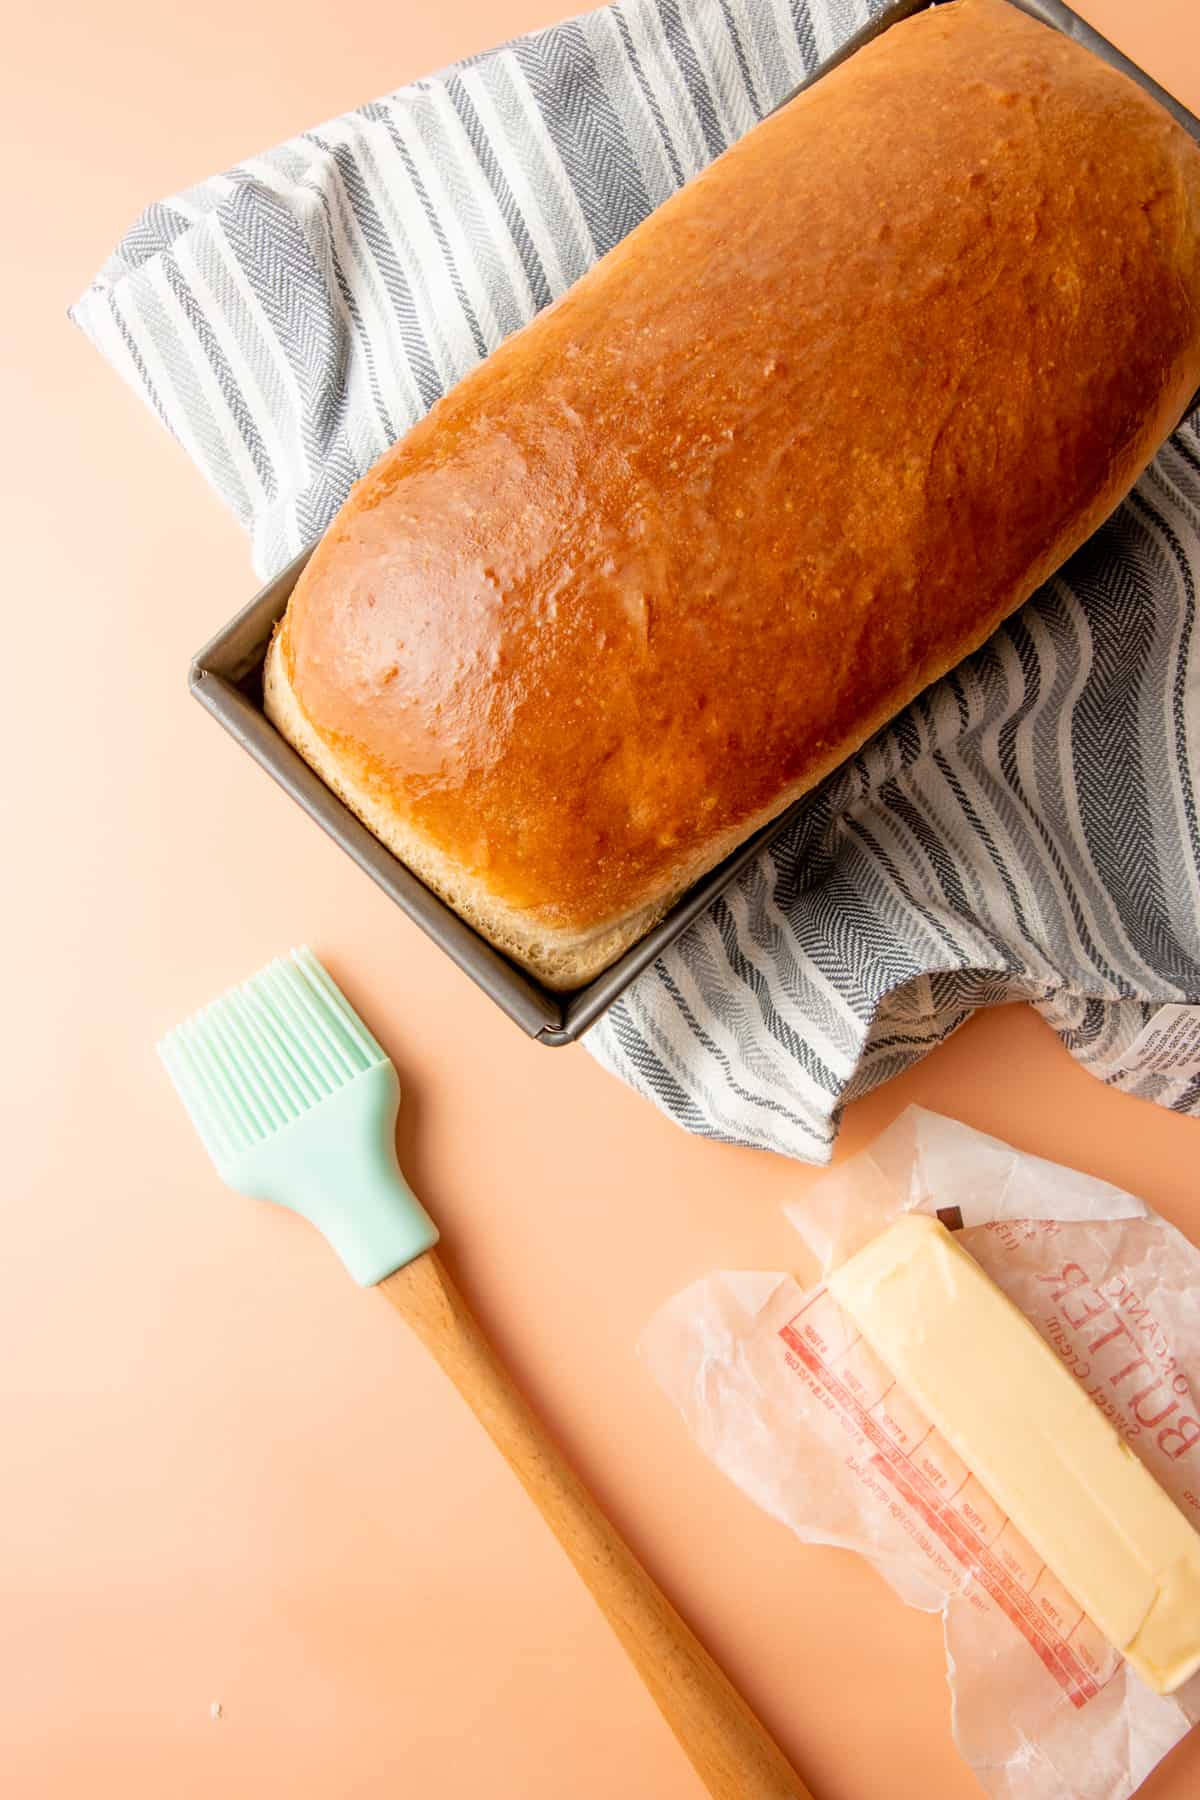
{"x": 1027, "y": 830}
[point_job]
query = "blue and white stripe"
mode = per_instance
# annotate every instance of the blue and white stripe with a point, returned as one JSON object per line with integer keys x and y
{"x": 1030, "y": 828}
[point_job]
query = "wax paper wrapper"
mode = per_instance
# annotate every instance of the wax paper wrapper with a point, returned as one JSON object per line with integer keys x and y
{"x": 779, "y": 1390}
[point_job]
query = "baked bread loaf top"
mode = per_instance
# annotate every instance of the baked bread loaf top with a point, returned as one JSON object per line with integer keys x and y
{"x": 785, "y": 455}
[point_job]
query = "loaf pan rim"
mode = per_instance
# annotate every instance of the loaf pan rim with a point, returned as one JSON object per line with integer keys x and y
{"x": 220, "y": 675}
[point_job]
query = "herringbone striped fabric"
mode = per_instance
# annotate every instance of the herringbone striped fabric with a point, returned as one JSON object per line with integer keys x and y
{"x": 1028, "y": 830}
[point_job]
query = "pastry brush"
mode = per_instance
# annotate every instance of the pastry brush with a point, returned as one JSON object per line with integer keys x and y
{"x": 296, "y": 1102}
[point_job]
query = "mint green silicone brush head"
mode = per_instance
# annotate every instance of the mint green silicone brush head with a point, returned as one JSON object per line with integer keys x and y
{"x": 296, "y": 1102}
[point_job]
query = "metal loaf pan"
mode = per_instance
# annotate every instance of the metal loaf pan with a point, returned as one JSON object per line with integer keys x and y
{"x": 226, "y": 678}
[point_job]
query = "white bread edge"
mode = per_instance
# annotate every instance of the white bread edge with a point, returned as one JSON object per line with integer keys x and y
{"x": 560, "y": 959}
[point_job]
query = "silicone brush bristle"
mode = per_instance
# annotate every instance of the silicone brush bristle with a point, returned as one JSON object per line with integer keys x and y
{"x": 264, "y": 1053}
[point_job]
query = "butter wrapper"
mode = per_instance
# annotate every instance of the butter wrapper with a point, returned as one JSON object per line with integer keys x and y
{"x": 777, "y": 1387}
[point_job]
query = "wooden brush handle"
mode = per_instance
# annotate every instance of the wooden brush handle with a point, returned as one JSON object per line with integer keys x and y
{"x": 730, "y": 1750}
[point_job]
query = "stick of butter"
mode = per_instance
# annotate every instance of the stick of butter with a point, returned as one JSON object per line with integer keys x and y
{"x": 1045, "y": 1452}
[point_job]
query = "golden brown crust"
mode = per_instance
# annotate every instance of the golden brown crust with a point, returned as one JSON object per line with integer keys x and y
{"x": 785, "y": 455}
{"x": 561, "y": 959}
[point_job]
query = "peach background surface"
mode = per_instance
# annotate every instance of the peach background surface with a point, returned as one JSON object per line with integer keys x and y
{"x": 226, "y": 1475}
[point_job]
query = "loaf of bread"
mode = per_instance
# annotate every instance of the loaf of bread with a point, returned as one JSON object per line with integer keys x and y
{"x": 784, "y": 456}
